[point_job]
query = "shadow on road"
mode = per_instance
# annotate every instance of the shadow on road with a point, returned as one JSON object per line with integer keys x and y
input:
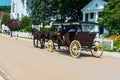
{"x": 66, "y": 53}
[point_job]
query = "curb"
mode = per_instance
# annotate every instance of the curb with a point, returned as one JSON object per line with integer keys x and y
{"x": 112, "y": 54}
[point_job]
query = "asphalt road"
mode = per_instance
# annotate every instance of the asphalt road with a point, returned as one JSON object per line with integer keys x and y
{"x": 20, "y": 60}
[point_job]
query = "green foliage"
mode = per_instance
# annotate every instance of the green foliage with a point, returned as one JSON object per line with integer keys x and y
{"x": 70, "y": 8}
{"x": 0, "y": 31}
{"x": 117, "y": 45}
{"x": 38, "y": 11}
{"x": 45, "y": 10}
{"x": 26, "y": 24}
{"x": 25, "y": 21}
{"x": 54, "y": 29}
{"x": 41, "y": 28}
{"x": 6, "y": 17}
{"x": 111, "y": 17}
{"x": 26, "y": 29}
{"x": 5, "y": 9}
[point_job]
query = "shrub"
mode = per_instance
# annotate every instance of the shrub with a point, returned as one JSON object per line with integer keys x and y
{"x": 0, "y": 31}
{"x": 25, "y": 21}
{"x": 13, "y": 24}
{"x": 28, "y": 28}
{"x": 117, "y": 45}
{"x": 6, "y": 17}
{"x": 41, "y": 28}
{"x": 117, "y": 37}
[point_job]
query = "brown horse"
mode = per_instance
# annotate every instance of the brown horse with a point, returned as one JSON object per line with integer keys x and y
{"x": 41, "y": 36}
{"x": 48, "y": 35}
{"x": 37, "y": 35}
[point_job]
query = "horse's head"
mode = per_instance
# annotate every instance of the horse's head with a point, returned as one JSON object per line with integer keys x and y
{"x": 34, "y": 30}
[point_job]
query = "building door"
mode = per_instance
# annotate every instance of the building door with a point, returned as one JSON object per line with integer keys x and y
{"x": 86, "y": 17}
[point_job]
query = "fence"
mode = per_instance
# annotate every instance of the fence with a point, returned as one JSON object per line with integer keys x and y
{"x": 107, "y": 43}
{"x": 22, "y": 34}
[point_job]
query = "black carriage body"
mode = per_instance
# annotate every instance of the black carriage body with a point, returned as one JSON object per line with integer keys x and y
{"x": 76, "y": 35}
{"x": 85, "y": 38}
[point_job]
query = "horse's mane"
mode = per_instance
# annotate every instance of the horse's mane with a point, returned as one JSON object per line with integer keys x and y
{"x": 33, "y": 29}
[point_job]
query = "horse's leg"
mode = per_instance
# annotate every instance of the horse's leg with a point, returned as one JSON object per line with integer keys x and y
{"x": 53, "y": 45}
{"x": 34, "y": 41}
{"x": 37, "y": 43}
{"x": 43, "y": 40}
{"x": 41, "y": 44}
{"x": 58, "y": 44}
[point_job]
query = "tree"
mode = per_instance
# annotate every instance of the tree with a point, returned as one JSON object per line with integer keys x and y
{"x": 111, "y": 17}
{"x": 13, "y": 25}
{"x": 43, "y": 10}
{"x": 61, "y": 7}
{"x": 26, "y": 24}
{"x": 25, "y": 21}
{"x": 39, "y": 10}
{"x": 5, "y": 9}
{"x": 6, "y": 17}
{"x": 70, "y": 8}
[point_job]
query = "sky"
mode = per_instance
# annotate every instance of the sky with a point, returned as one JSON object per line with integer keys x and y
{"x": 5, "y": 2}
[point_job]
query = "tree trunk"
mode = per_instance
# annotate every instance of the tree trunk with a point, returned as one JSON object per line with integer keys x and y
{"x": 11, "y": 33}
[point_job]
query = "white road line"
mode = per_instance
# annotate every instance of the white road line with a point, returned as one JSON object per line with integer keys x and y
{"x": 1, "y": 78}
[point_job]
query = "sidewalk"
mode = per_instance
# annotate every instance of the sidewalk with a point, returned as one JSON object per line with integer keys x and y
{"x": 112, "y": 54}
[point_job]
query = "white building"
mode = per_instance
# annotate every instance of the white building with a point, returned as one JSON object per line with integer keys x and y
{"x": 19, "y": 8}
{"x": 92, "y": 12}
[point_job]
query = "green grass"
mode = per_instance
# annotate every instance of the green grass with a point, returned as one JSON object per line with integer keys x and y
{"x": 114, "y": 50}
{"x": 0, "y": 31}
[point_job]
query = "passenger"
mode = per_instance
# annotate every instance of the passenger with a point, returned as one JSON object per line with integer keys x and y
{"x": 78, "y": 30}
{"x": 72, "y": 30}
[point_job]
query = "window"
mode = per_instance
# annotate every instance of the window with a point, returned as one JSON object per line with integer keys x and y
{"x": 96, "y": 4}
{"x": 91, "y": 15}
{"x": 100, "y": 14}
{"x": 13, "y": 7}
{"x": 86, "y": 17}
{"x": 88, "y": 28}
{"x": 18, "y": 15}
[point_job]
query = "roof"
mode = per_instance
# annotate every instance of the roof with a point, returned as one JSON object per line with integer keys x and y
{"x": 94, "y": 5}
{"x": 1, "y": 14}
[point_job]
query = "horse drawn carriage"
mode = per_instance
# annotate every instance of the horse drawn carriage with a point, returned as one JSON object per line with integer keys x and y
{"x": 76, "y": 37}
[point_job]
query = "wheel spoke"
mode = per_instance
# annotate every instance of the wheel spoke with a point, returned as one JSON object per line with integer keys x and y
{"x": 50, "y": 45}
{"x": 75, "y": 48}
{"x": 97, "y": 49}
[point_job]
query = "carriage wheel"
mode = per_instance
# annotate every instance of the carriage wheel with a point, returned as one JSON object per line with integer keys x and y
{"x": 97, "y": 49}
{"x": 75, "y": 48}
{"x": 50, "y": 45}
